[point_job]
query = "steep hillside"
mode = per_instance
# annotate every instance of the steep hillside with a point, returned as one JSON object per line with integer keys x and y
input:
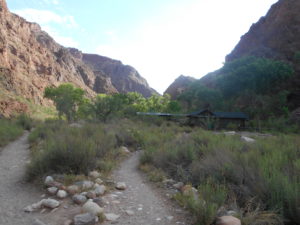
{"x": 30, "y": 60}
{"x": 262, "y": 74}
{"x": 123, "y": 77}
{"x": 275, "y": 36}
{"x": 179, "y": 86}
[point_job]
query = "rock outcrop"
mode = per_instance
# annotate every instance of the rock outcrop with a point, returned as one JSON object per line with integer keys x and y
{"x": 31, "y": 60}
{"x": 123, "y": 77}
{"x": 179, "y": 86}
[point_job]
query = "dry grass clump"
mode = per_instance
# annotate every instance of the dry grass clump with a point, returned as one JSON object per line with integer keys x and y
{"x": 70, "y": 150}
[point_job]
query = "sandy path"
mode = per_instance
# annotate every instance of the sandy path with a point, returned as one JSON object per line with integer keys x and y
{"x": 15, "y": 193}
{"x": 149, "y": 206}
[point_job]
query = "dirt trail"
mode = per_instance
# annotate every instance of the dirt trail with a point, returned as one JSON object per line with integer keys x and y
{"x": 15, "y": 193}
{"x": 150, "y": 207}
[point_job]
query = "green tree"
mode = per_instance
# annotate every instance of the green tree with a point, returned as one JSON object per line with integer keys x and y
{"x": 66, "y": 98}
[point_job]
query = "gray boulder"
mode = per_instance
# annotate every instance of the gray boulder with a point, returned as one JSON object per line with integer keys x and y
{"x": 85, "y": 219}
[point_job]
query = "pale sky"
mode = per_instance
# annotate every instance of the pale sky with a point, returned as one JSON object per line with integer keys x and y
{"x": 162, "y": 39}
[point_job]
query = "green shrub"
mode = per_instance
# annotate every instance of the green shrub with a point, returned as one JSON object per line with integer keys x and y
{"x": 267, "y": 170}
{"x": 211, "y": 197}
{"x": 69, "y": 150}
{"x": 9, "y": 131}
{"x": 25, "y": 122}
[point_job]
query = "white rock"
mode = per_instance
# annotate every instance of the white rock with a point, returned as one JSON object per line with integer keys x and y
{"x": 85, "y": 219}
{"x": 62, "y": 194}
{"x": 33, "y": 207}
{"x": 178, "y": 185}
{"x": 247, "y": 139}
{"x": 99, "y": 181}
{"x": 228, "y": 220}
{"x": 94, "y": 174}
{"x": 96, "y": 185}
{"x": 92, "y": 207}
{"x": 91, "y": 194}
{"x": 100, "y": 190}
{"x": 111, "y": 216}
{"x": 50, "y": 203}
{"x": 68, "y": 222}
{"x": 79, "y": 199}
{"x": 73, "y": 189}
{"x": 87, "y": 184}
{"x": 129, "y": 212}
{"x": 124, "y": 150}
{"x": 48, "y": 181}
{"x": 230, "y": 133}
{"x": 170, "y": 217}
{"x": 52, "y": 190}
{"x": 121, "y": 186}
{"x": 84, "y": 185}
{"x": 99, "y": 201}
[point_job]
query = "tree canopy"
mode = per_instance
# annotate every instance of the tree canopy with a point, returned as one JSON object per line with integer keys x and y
{"x": 66, "y": 98}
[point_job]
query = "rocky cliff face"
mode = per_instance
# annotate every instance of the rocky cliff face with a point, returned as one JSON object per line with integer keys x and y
{"x": 31, "y": 60}
{"x": 179, "y": 86}
{"x": 275, "y": 36}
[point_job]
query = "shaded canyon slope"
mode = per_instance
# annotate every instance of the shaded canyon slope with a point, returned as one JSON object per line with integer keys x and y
{"x": 275, "y": 36}
{"x": 31, "y": 60}
{"x": 179, "y": 85}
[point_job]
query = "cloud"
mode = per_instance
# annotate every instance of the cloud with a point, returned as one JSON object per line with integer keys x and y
{"x": 50, "y": 22}
{"x": 44, "y": 17}
{"x": 61, "y": 39}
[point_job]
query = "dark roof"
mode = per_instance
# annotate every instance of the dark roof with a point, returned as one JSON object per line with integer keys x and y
{"x": 158, "y": 114}
{"x": 224, "y": 115}
{"x": 199, "y": 112}
{"x": 231, "y": 115}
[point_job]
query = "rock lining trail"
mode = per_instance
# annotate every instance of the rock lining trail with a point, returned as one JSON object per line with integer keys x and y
{"x": 140, "y": 203}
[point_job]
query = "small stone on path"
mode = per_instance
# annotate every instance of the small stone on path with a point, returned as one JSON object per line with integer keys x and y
{"x": 61, "y": 194}
{"x": 79, "y": 199}
{"x": 100, "y": 190}
{"x": 73, "y": 189}
{"x": 48, "y": 181}
{"x": 129, "y": 212}
{"x": 92, "y": 207}
{"x": 228, "y": 220}
{"x": 121, "y": 186}
{"x": 99, "y": 181}
{"x": 94, "y": 174}
{"x": 111, "y": 216}
{"x": 85, "y": 219}
{"x": 50, "y": 203}
{"x": 52, "y": 190}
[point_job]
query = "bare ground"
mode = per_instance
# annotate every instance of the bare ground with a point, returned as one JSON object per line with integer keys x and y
{"x": 149, "y": 204}
{"x": 15, "y": 193}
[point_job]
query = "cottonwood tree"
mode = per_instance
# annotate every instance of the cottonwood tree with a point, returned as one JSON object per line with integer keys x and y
{"x": 66, "y": 98}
